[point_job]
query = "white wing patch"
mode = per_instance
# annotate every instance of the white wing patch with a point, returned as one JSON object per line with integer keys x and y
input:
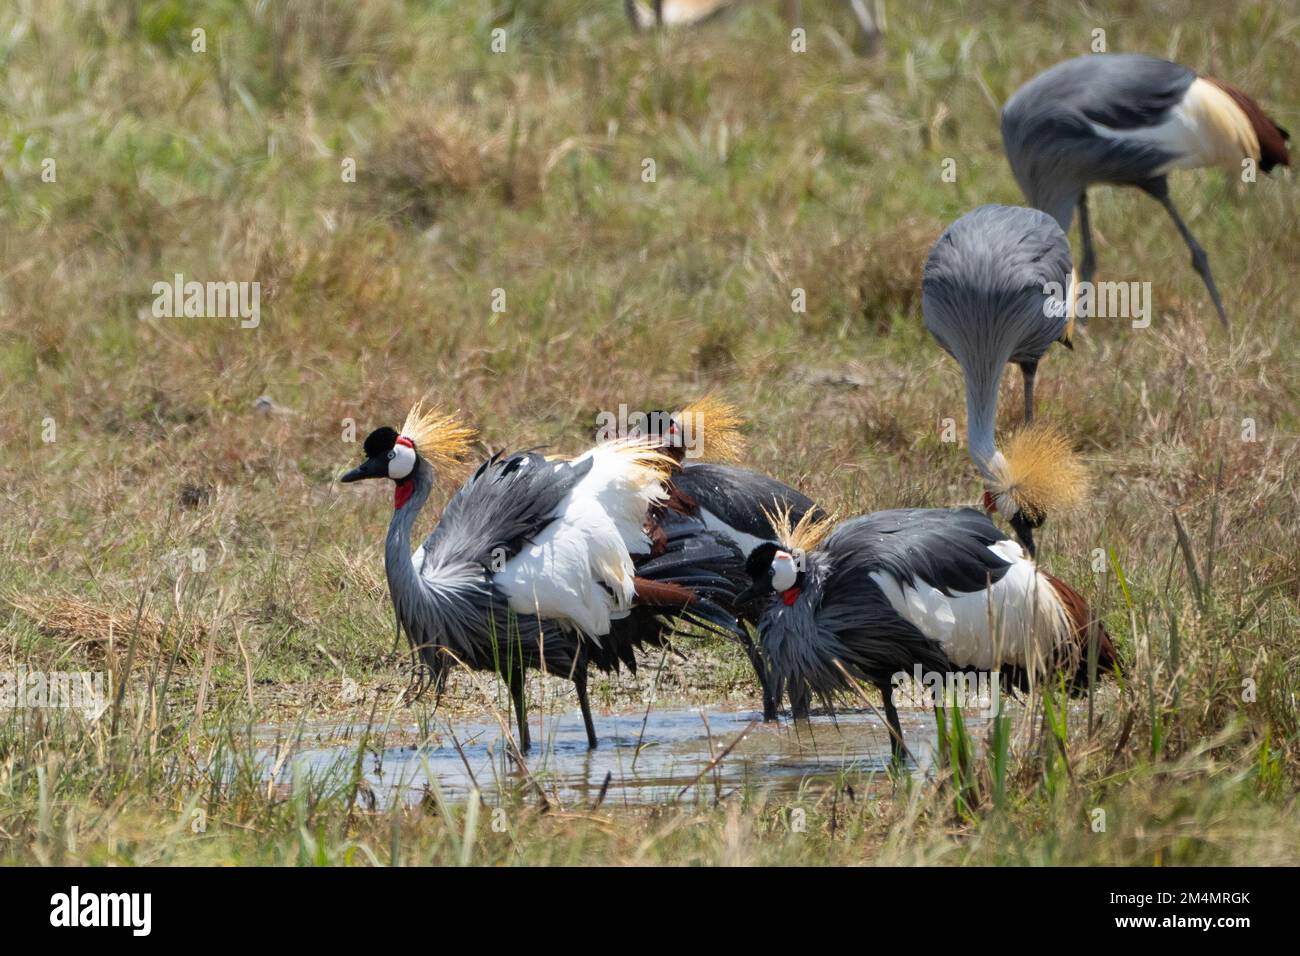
{"x": 1020, "y": 620}
{"x": 1206, "y": 129}
{"x": 745, "y": 542}
{"x": 579, "y": 569}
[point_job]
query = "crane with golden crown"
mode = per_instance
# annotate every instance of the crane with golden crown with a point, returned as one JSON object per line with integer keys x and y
{"x": 875, "y": 597}
{"x": 705, "y": 441}
{"x": 540, "y": 563}
{"x": 997, "y": 289}
{"x": 1130, "y": 120}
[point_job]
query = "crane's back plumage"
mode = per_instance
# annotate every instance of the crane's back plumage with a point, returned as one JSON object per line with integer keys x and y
{"x": 1128, "y": 119}
{"x": 985, "y": 285}
{"x": 994, "y": 291}
{"x": 452, "y": 601}
{"x": 539, "y": 560}
{"x": 737, "y": 503}
{"x": 949, "y": 550}
{"x": 936, "y": 587}
{"x": 959, "y": 579}
{"x": 579, "y": 567}
{"x": 505, "y": 504}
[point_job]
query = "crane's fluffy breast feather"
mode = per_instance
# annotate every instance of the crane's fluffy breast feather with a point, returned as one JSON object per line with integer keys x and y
{"x": 579, "y": 568}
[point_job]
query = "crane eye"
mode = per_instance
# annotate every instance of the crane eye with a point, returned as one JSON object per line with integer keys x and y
{"x": 392, "y": 455}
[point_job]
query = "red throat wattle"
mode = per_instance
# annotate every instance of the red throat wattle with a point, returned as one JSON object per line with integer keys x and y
{"x": 790, "y": 595}
{"x": 402, "y": 492}
{"x": 990, "y": 505}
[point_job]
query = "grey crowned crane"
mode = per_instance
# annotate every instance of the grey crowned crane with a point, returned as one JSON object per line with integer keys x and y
{"x": 649, "y": 14}
{"x": 1130, "y": 120}
{"x": 735, "y": 503}
{"x": 539, "y": 563}
{"x": 996, "y": 290}
{"x": 940, "y": 588}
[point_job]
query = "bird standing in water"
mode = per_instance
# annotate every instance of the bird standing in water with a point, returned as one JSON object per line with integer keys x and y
{"x": 943, "y": 589}
{"x": 534, "y": 562}
{"x": 1130, "y": 120}
{"x": 733, "y": 502}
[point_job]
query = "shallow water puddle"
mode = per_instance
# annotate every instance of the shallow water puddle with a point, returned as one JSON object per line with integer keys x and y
{"x": 686, "y": 755}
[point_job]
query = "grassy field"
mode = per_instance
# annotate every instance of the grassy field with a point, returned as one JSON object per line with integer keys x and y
{"x": 169, "y": 510}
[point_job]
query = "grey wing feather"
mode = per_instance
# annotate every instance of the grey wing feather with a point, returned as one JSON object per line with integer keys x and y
{"x": 739, "y": 496}
{"x": 506, "y": 503}
{"x": 1048, "y": 134}
{"x": 693, "y": 557}
{"x": 948, "y": 549}
{"x": 843, "y": 615}
{"x": 1116, "y": 90}
{"x": 457, "y": 609}
{"x": 697, "y": 558}
{"x": 840, "y": 620}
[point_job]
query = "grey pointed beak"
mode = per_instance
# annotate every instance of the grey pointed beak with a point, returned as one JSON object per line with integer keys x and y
{"x": 370, "y": 468}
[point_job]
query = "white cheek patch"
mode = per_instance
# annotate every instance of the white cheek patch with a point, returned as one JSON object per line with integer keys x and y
{"x": 402, "y": 462}
{"x": 1006, "y": 505}
{"x": 784, "y": 572}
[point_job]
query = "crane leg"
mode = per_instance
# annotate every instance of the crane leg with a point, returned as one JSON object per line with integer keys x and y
{"x": 1029, "y": 370}
{"x": 1089, "y": 264}
{"x": 868, "y": 38}
{"x": 769, "y": 704}
{"x": 896, "y": 749}
{"x": 580, "y": 684}
{"x": 521, "y": 715}
{"x": 800, "y": 702}
{"x": 1159, "y": 190}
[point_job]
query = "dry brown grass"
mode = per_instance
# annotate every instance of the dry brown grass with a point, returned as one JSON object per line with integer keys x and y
{"x": 433, "y": 155}
{"x": 90, "y": 632}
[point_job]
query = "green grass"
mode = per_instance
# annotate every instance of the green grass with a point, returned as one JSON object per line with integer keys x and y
{"x": 522, "y": 171}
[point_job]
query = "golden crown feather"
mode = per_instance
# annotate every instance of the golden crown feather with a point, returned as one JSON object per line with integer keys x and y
{"x": 1041, "y": 473}
{"x": 442, "y": 438}
{"x": 716, "y": 423}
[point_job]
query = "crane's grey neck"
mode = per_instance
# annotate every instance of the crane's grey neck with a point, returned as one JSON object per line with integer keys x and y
{"x": 981, "y": 419}
{"x": 400, "y": 571}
